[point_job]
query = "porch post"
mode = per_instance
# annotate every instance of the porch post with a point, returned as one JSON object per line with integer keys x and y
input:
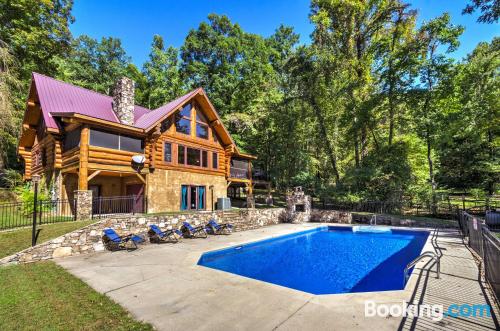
{"x": 83, "y": 172}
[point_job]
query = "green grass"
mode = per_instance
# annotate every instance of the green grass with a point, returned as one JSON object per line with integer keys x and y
{"x": 43, "y": 296}
{"x": 16, "y": 240}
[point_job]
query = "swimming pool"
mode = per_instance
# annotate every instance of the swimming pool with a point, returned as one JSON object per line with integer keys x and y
{"x": 325, "y": 260}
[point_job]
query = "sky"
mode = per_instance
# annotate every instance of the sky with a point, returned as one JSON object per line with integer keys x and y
{"x": 136, "y": 21}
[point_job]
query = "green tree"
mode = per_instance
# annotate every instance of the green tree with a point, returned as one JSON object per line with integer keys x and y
{"x": 490, "y": 10}
{"x": 9, "y": 124}
{"x": 434, "y": 67}
{"x": 36, "y": 31}
{"x": 94, "y": 65}
{"x": 163, "y": 81}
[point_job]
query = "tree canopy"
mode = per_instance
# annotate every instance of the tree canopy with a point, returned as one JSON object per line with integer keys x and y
{"x": 373, "y": 108}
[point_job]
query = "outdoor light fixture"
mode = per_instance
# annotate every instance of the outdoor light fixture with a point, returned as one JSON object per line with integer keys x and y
{"x": 35, "y": 179}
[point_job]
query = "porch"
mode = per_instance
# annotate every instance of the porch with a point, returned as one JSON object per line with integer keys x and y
{"x": 112, "y": 192}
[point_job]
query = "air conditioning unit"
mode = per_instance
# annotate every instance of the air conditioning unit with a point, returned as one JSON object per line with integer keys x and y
{"x": 223, "y": 203}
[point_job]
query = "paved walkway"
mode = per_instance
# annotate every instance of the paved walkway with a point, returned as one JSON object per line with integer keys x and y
{"x": 163, "y": 285}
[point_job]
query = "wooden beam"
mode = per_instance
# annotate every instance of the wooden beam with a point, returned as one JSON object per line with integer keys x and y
{"x": 141, "y": 178}
{"x": 95, "y": 173}
{"x": 83, "y": 183}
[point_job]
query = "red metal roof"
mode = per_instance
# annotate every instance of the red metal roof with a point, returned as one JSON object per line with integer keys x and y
{"x": 59, "y": 97}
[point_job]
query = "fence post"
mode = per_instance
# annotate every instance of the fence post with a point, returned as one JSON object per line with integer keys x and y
{"x": 35, "y": 179}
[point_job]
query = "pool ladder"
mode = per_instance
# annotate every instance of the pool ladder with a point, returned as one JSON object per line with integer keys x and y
{"x": 432, "y": 255}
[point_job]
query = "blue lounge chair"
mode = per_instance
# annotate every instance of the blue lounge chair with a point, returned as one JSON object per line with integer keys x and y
{"x": 217, "y": 228}
{"x": 113, "y": 241}
{"x": 194, "y": 231}
{"x": 157, "y": 235}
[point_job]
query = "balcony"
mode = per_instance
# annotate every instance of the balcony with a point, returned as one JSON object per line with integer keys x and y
{"x": 239, "y": 173}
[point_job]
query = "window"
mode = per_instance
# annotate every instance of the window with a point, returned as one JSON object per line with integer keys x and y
{"x": 165, "y": 125}
{"x": 131, "y": 144}
{"x": 71, "y": 140}
{"x": 193, "y": 197}
{"x": 181, "y": 157}
{"x": 201, "y": 125}
{"x": 116, "y": 141}
{"x": 167, "y": 152}
{"x": 183, "y": 120}
{"x": 104, "y": 139}
{"x": 201, "y": 131}
{"x": 193, "y": 157}
{"x": 183, "y": 125}
{"x": 204, "y": 159}
{"x": 215, "y": 160}
{"x": 186, "y": 111}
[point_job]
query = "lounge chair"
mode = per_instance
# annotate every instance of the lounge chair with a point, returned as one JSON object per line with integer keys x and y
{"x": 194, "y": 231}
{"x": 157, "y": 235}
{"x": 113, "y": 241}
{"x": 217, "y": 228}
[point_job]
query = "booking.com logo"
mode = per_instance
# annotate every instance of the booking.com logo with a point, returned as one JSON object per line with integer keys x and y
{"x": 434, "y": 312}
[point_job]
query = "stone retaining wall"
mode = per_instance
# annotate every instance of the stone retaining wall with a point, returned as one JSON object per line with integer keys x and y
{"x": 331, "y": 216}
{"x": 89, "y": 239}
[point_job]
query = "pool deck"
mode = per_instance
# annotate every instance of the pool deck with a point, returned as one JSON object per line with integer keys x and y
{"x": 163, "y": 285}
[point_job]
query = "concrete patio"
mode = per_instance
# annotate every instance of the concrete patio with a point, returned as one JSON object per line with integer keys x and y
{"x": 163, "y": 285}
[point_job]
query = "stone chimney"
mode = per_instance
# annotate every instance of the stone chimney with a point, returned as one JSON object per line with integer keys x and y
{"x": 123, "y": 100}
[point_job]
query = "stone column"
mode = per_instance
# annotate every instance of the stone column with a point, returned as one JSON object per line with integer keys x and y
{"x": 83, "y": 200}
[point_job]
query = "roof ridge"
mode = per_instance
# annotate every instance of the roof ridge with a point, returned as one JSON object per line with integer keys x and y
{"x": 182, "y": 96}
{"x": 81, "y": 88}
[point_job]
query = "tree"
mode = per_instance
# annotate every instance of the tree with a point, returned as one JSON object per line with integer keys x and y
{"x": 9, "y": 124}
{"x": 352, "y": 31}
{"x": 433, "y": 68}
{"x": 163, "y": 81}
{"x": 94, "y": 65}
{"x": 36, "y": 31}
{"x": 490, "y": 10}
{"x": 469, "y": 144}
{"x": 397, "y": 64}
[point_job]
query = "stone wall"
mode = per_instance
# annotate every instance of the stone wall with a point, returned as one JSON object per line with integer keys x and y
{"x": 331, "y": 216}
{"x": 164, "y": 188}
{"x": 89, "y": 239}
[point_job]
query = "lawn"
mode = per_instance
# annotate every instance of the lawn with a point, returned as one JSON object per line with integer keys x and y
{"x": 43, "y": 296}
{"x": 16, "y": 240}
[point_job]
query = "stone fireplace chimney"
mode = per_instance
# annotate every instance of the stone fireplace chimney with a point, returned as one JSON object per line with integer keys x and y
{"x": 123, "y": 100}
{"x": 298, "y": 206}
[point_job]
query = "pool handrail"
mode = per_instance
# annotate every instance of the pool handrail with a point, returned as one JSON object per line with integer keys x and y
{"x": 430, "y": 254}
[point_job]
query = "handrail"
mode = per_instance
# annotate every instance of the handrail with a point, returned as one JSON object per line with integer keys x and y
{"x": 432, "y": 255}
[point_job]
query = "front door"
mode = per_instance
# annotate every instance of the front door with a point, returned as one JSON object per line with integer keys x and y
{"x": 136, "y": 190}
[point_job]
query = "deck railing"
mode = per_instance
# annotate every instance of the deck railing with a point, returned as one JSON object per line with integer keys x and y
{"x": 486, "y": 243}
{"x": 105, "y": 206}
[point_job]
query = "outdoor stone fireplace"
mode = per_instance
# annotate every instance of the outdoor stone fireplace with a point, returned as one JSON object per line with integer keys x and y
{"x": 298, "y": 206}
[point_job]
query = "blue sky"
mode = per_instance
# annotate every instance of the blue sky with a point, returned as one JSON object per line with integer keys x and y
{"x": 135, "y": 22}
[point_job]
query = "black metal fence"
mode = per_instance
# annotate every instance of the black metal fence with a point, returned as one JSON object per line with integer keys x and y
{"x": 19, "y": 214}
{"x": 486, "y": 244}
{"x": 105, "y": 206}
{"x": 387, "y": 207}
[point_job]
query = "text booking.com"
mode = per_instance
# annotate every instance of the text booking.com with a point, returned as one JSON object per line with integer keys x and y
{"x": 434, "y": 312}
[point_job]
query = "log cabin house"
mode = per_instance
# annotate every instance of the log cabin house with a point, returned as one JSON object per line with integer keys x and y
{"x": 79, "y": 140}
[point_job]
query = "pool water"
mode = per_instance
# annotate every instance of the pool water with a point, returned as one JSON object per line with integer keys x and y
{"x": 325, "y": 260}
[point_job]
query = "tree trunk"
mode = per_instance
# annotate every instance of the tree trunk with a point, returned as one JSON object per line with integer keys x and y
{"x": 431, "y": 172}
{"x": 328, "y": 145}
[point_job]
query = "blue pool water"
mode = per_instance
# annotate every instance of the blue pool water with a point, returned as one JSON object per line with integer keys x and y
{"x": 325, "y": 260}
